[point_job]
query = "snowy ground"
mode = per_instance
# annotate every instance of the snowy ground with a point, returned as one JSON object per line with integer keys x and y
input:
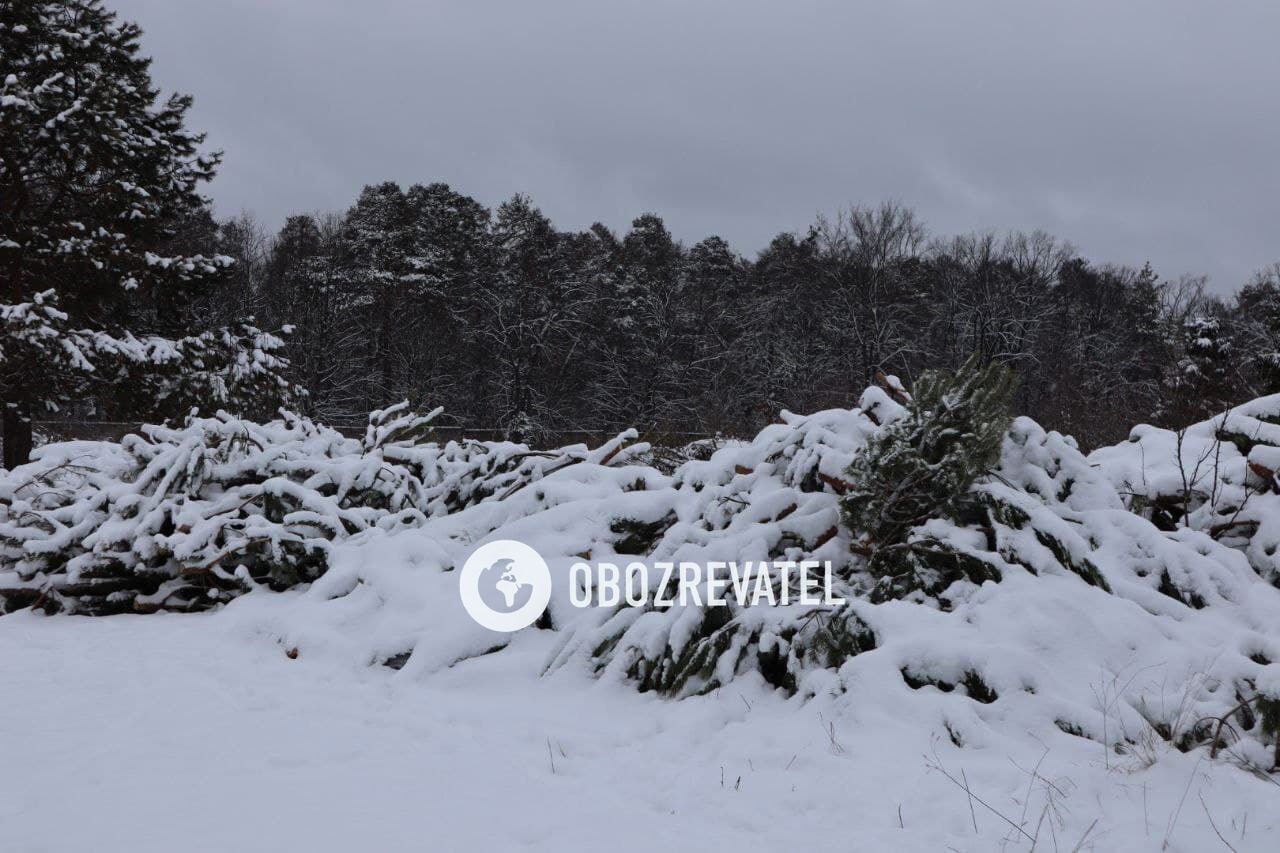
{"x": 196, "y": 732}
{"x": 203, "y": 732}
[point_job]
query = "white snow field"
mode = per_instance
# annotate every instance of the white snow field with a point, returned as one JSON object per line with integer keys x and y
{"x": 1061, "y": 693}
{"x": 198, "y": 733}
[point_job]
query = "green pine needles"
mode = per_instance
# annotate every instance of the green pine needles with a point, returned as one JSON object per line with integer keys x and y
{"x": 922, "y": 466}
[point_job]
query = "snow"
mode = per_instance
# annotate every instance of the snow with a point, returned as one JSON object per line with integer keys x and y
{"x": 1223, "y": 469}
{"x": 367, "y": 709}
{"x": 196, "y": 732}
{"x": 1269, "y": 681}
{"x": 1265, "y": 456}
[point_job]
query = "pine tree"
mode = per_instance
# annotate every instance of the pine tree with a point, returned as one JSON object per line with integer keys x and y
{"x": 922, "y": 466}
{"x": 712, "y": 316}
{"x": 377, "y": 244}
{"x": 644, "y": 320}
{"x": 96, "y": 175}
{"x": 305, "y": 286}
{"x": 789, "y": 353}
{"x": 1202, "y": 381}
{"x": 1258, "y": 325}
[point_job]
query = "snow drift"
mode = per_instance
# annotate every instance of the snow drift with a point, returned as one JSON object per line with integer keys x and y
{"x": 1125, "y": 597}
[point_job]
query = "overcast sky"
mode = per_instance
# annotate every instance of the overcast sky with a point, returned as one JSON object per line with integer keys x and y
{"x": 1141, "y": 129}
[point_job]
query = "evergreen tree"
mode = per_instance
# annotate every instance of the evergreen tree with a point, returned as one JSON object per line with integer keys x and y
{"x": 327, "y": 350}
{"x": 1258, "y": 329}
{"x": 712, "y": 318}
{"x": 644, "y": 317}
{"x": 450, "y": 265}
{"x": 600, "y": 389}
{"x": 537, "y": 312}
{"x": 788, "y": 352}
{"x": 377, "y": 262}
{"x": 1201, "y": 383}
{"x": 1101, "y": 355}
{"x": 96, "y": 176}
{"x": 922, "y": 466}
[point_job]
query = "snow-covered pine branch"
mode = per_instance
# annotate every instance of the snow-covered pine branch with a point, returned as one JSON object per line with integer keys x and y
{"x": 185, "y": 518}
{"x": 1052, "y": 550}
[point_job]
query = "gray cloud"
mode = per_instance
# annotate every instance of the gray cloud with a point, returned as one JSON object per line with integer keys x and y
{"x": 1139, "y": 130}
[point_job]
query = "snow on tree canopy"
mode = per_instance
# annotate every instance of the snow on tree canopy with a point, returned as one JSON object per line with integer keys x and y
{"x": 98, "y": 174}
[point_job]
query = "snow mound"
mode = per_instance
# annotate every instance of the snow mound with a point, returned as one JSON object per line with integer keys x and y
{"x": 1218, "y": 477}
{"x": 1076, "y": 601}
{"x": 187, "y": 518}
{"x": 1070, "y": 616}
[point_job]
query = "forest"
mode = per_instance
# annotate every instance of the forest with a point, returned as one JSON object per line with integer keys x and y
{"x": 513, "y": 325}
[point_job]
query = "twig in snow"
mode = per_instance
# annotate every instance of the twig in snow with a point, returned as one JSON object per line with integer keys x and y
{"x": 1031, "y": 780}
{"x": 1173, "y": 818}
{"x": 1080, "y": 843}
{"x": 936, "y": 764}
{"x": 830, "y": 730}
{"x": 972, "y": 816}
{"x": 1043, "y": 813}
{"x": 1205, "y": 806}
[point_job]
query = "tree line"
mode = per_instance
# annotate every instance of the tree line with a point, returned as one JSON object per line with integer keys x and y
{"x": 512, "y": 324}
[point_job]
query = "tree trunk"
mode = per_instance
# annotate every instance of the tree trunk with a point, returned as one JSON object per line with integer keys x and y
{"x": 17, "y": 437}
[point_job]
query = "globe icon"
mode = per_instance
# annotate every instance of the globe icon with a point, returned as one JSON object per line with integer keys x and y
{"x": 505, "y": 585}
{"x": 501, "y": 587}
